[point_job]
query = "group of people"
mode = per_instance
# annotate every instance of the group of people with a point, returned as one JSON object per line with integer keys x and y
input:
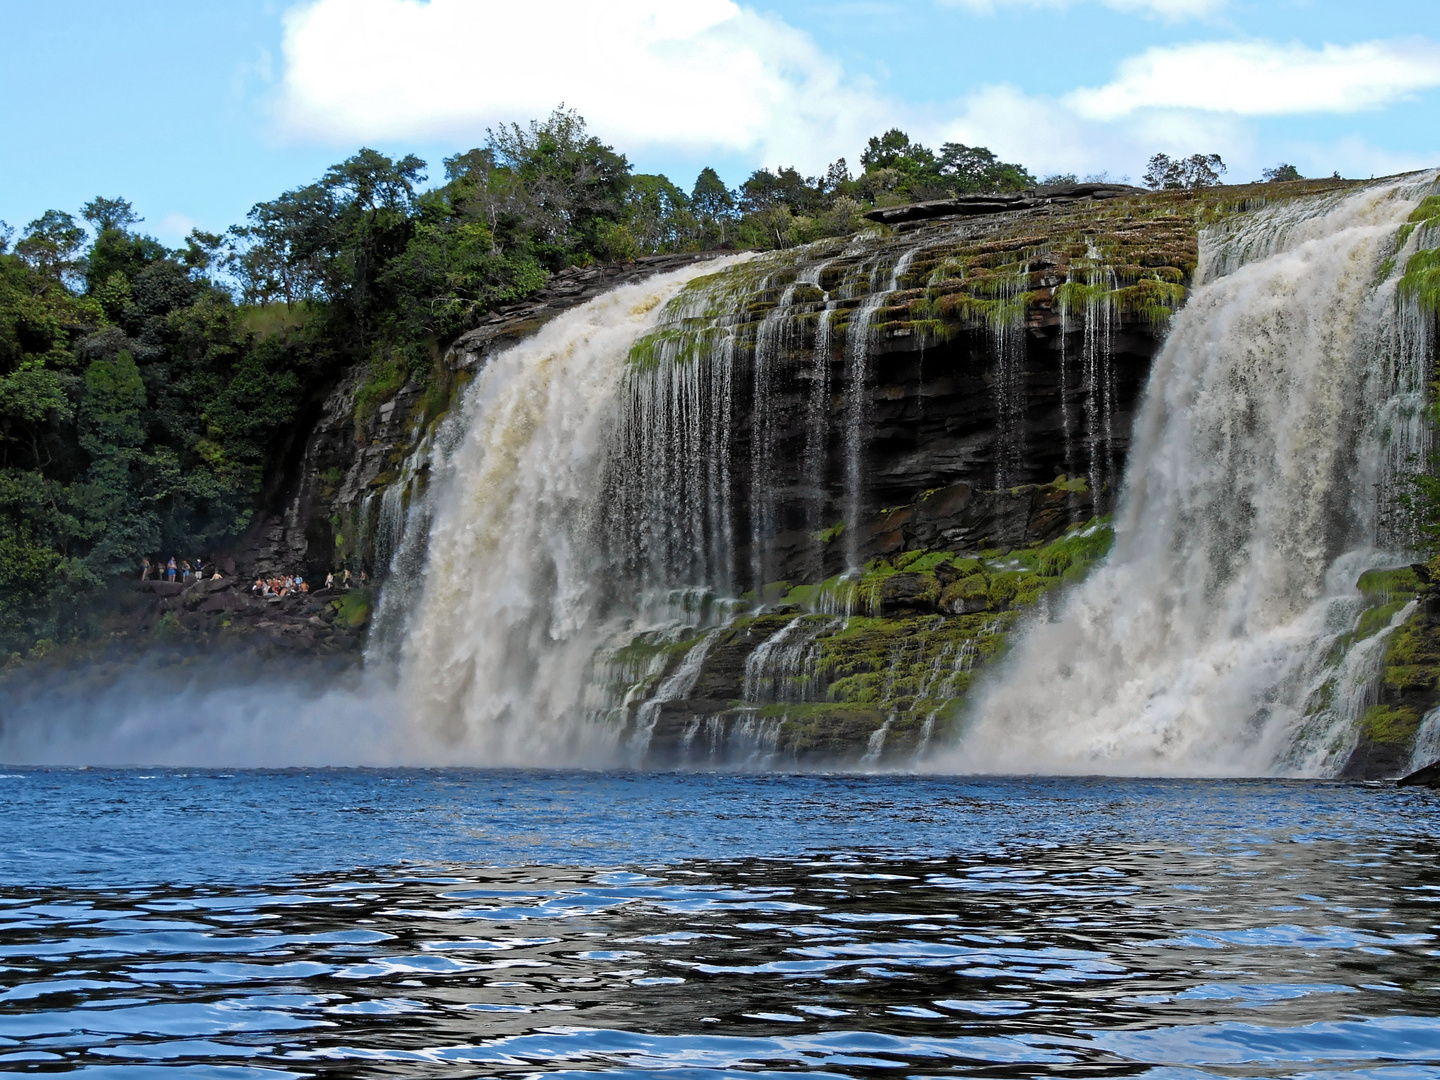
{"x": 295, "y": 585}
{"x": 281, "y": 587}
{"x": 271, "y": 588}
{"x": 171, "y": 569}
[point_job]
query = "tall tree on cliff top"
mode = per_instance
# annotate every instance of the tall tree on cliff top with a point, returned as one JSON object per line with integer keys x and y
{"x": 714, "y": 204}
{"x": 51, "y": 244}
{"x": 573, "y": 186}
{"x": 330, "y": 240}
{"x": 1196, "y": 171}
{"x": 913, "y": 170}
{"x": 976, "y": 169}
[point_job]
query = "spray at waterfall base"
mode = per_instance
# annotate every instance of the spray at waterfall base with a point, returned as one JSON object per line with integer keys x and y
{"x": 794, "y": 512}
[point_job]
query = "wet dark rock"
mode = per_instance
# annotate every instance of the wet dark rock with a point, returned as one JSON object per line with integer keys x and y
{"x": 1429, "y": 777}
{"x": 999, "y": 202}
{"x": 907, "y": 594}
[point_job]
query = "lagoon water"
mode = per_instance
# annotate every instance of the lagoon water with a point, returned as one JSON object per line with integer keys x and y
{"x": 474, "y": 923}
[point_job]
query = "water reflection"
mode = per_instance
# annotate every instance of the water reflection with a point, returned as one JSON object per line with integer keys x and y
{"x": 1266, "y": 947}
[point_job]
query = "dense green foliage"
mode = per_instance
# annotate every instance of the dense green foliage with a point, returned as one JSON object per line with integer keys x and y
{"x": 149, "y": 396}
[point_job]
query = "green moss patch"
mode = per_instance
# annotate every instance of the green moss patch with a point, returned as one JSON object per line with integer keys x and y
{"x": 353, "y": 608}
{"x": 1390, "y": 725}
{"x": 1387, "y": 585}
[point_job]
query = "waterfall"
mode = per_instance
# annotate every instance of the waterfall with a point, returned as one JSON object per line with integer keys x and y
{"x": 1007, "y": 332}
{"x": 1285, "y": 397}
{"x": 517, "y": 596}
{"x": 638, "y": 539}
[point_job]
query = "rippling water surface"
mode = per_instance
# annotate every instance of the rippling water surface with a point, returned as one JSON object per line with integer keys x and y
{"x": 458, "y": 923}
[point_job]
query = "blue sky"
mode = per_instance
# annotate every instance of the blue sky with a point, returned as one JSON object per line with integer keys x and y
{"x": 195, "y": 110}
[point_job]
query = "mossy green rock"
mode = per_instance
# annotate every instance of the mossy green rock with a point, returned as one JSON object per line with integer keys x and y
{"x": 836, "y": 671}
{"x": 1409, "y": 682}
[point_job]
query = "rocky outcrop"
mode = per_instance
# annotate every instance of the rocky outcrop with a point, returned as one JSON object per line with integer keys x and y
{"x": 213, "y": 630}
{"x": 866, "y": 669}
{"x": 999, "y": 202}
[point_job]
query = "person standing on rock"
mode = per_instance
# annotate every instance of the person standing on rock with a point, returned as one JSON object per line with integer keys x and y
{"x": 330, "y": 581}
{"x": 145, "y": 569}
{"x": 347, "y": 577}
{"x": 170, "y": 570}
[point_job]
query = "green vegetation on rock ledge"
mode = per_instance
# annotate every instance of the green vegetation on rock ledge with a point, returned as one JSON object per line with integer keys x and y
{"x": 1408, "y": 683}
{"x": 896, "y": 648}
{"x": 1421, "y": 280}
{"x": 1131, "y": 257}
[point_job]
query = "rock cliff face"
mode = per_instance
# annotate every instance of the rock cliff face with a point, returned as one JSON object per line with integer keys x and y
{"x": 1407, "y": 686}
{"x": 1008, "y": 351}
{"x": 896, "y": 448}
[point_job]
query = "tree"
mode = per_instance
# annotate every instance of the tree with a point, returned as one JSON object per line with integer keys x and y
{"x": 51, "y": 243}
{"x": 658, "y": 214}
{"x": 110, "y": 214}
{"x": 713, "y": 205}
{"x": 112, "y": 431}
{"x": 202, "y": 250}
{"x": 894, "y": 149}
{"x": 1197, "y": 171}
{"x": 371, "y": 199}
{"x": 331, "y": 239}
{"x": 572, "y": 187}
{"x": 766, "y": 190}
{"x": 977, "y": 169}
{"x": 1281, "y": 173}
{"x": 893, "y": 161}
{"x": 1203, "y": 170}
{"x": 1162, "y": 172}
{"x": 710, "y": 198}
{"x": 116, "y": 258}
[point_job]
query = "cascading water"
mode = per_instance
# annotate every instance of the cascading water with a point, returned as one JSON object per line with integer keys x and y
{"x": 858, "y": 343}
{"x": 1285, "y": 396}
{"x": 635, "y": 494}
{"x": 517, "y": 595}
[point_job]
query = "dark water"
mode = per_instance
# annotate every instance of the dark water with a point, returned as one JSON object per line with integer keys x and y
{"x": 457, "y": 923}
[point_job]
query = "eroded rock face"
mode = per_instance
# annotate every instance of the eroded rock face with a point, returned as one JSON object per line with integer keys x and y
{"x": 999, "y": 203}
{"x": 861, "y": 378}
{"x": 934, "y": 455}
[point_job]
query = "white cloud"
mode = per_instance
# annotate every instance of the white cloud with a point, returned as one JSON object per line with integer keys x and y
{"x": 1173, "y": 10}
{"x": 706, "y": 75}
{"x": 1257, "y": 78}
{"x": 1047, "y": 137}
{"x": 711, "y": 77}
